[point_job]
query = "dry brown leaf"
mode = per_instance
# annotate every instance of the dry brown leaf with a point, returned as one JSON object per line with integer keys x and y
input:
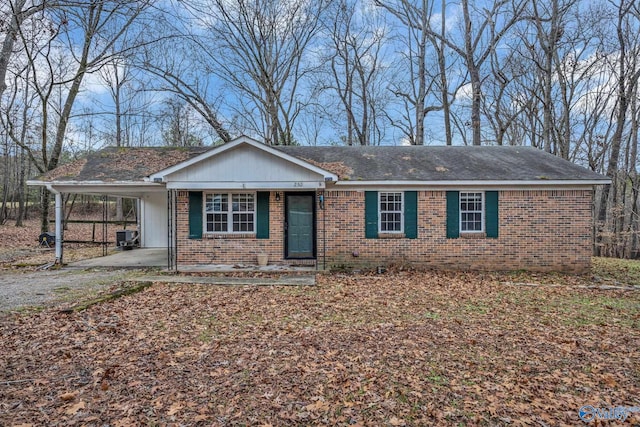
{"x": 395, "y": 421}
{"x": 75, "y": 408}
{"x": 318, "y": 405}
{"x": 68, "y": 396}
{"x": 175, "y": 408}
{"x": 423, "y": 348}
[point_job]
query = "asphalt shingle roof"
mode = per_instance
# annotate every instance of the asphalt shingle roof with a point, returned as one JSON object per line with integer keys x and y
{"x": 114, "y": 164}
{"x": 442, "y": 163}
{"x": 380, "y": 163}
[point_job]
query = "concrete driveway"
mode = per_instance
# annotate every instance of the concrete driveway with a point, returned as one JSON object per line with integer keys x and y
{"x": 134, "y": 258}
{"x": 45, "y": 288}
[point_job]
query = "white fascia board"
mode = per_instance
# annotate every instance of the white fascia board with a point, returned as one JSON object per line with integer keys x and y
{"x": 236, "y": 142}
{"x": 126, "y": 184}
{"x": 36, "y": 183}
{"x": 253, "y": 185}
{"x": 475, "y": 184}
{"x": 123, "y": 188}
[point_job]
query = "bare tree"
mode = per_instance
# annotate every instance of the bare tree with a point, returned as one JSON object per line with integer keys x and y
{"x": 503, "y": 102}
{"x": 117, "y": 74}
{"x": 177, "y": 127}
{"x": 425, "y": 88}
{"x": 257, "y": 48}
{"x": 17, "y": 12}
{"x": 57, "y": 78}
{"x": 354, "y": 71}
{"x": 482, "y": 30}
{"x": 178, "y": 64}
{"x": 626, "y": 69}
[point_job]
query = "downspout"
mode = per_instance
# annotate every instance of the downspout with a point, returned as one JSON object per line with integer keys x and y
{"x": 58, "y": 230}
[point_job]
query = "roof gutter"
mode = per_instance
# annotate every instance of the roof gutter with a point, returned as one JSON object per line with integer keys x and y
{"x": 49, "y": 184}
{"x": 476, "y": 183}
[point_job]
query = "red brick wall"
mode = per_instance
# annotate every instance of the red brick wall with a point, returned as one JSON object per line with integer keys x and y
{"x": 219, "y": 249}
{"x": 538, "y": 230}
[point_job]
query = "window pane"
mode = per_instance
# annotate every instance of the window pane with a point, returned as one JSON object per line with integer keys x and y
{"x": 216, "y": 222}
{"x": 220, "y": 222}
{"x": 209, "y": 223}
{"x": 218, "y": 207}
{"x": 390, "y": 212}
{"x": 243, "y": 222}
{"x": 217, "y": 202}
{"x": 471, "y": 212}
{"x": 243, "y": 202}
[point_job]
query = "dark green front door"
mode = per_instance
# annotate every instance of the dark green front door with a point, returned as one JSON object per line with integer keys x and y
{"x": 299, "y": 225}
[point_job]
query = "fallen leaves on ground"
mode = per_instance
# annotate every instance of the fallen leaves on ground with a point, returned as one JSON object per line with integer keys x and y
{"x": 408, "y": 348}
{"x": 20, "y": 249}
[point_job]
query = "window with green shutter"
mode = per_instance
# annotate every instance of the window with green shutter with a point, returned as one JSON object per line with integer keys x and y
{"x": 393, "y": 212}
{"x": 472, "y": 212}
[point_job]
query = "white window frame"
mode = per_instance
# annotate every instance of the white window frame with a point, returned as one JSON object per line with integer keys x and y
{"x": 380, "y": 212}
{"x": 482, "y": 213}
{"x": 229, "y": 212}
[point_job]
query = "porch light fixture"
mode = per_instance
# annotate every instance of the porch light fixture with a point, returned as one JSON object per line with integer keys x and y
{"x": 277, "y": 196}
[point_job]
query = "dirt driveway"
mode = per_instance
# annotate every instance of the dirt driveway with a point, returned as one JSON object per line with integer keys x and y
{"x": 45, "y": 288}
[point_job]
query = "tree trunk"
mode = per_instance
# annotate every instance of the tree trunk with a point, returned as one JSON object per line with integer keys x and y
{"x": 444, "y": 83}
{"x": 5, "y": 183}
{"x": 9, "y": 41}
{"x": 22, "y": 212}
{"x": 609, "y": 191}
{"x": 44, "y": 216}
{"x": 474, "y": 76}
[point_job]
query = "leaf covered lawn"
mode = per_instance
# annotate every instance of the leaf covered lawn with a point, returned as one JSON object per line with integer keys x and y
{"x": 396, "y": 349}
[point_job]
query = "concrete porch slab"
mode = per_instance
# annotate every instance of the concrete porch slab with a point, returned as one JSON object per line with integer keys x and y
{"x": 241, "y": 268}
{"x": 157, "y": 258}
{"x": 283, "y": 280}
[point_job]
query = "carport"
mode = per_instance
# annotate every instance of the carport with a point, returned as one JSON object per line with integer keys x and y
{"x": 121, "y": 172}
{"x": 151, "y": 199}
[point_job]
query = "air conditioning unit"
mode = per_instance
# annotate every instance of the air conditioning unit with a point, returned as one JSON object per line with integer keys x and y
{"x": 126, "y": 239}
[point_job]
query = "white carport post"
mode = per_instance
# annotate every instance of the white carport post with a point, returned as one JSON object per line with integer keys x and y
{"x": 58, "y": 231}
{"x": 59, "y": 215}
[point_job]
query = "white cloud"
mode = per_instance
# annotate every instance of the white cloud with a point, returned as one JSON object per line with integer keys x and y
{"x": 465, "y": 93}
{"x": 454, "y": 16}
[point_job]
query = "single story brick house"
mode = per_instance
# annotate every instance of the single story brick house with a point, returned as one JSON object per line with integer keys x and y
{"x": 489, "y": 208}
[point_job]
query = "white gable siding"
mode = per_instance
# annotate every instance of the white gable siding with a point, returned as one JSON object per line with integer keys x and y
{"x": 244, "y": 164}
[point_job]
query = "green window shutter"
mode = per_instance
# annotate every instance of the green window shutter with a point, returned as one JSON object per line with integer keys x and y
{"x": 411, "y": 214}
{"x": 453, "y": 214}
{"x": 491, "y": 212}
{"x": 371, "y": 214}
{"x": 262, "y": 213}
{"x": 195, "y": 214}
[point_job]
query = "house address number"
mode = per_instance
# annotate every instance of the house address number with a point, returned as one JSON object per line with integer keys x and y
{"x": 298, "y": 184}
